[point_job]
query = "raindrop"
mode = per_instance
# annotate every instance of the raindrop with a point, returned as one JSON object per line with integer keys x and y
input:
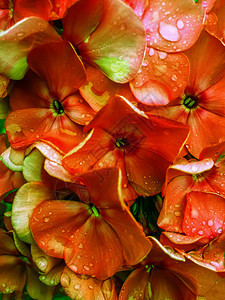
{"x": 177, "y": 213}
{"x": 46, "y": 220}
{"x": 19, "y": 34}
{"x": 76, "y": 287}
{"x": 86, "y": 268}
{"x": 200, "y": 232}
{"x": 174, "y": 77}
{"x": 162, "y": 55}
{"x": 151, "y": 51}
{"x": 169, "y": 32}
{"x": 210, "y": 223}
{"x": 90, "y": 287}
{"x": 180, "y": 24}
{"x": 65, "y": 280}
{"x": 73, "y": 267}
{"x": 81, "y": 246}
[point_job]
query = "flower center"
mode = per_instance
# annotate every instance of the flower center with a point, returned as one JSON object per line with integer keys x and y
{"x": 58, "y": 107}
{"x": 95, "y": 211}
{"x": 190, "y": 101}
{"x": 121, "y": 142}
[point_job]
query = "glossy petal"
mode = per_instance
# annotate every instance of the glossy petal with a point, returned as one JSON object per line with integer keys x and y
{"x": 37, "y": 8}
{"x": 85, "y": 287}
{"x": 137, "y": 6}
{"x": 98, "y": 89}
{"x": 81, "y": 20}
{"x": 17, "y": 41}
{"x": 165, "y": 285}
{"x": 60, "y": 8}
{"x": 77, "y": 109}
{"x": 171, "y": 215}
{"x": 136, "y": 285}
{"x": 181, "y": 241}
{"x": 205, "y": 71}
{"x": 160, "y": 74}
{"x": 173, "y": 26}
{"x": 204, "y": 209}
{"x": 215, "y": 22}
{"x": 71, "y": 214}
{"x": 107, "y": 257}
{"x": 25, "y": 201}
{"x": 60, "y": 59}
{"x": 119, "y": 56}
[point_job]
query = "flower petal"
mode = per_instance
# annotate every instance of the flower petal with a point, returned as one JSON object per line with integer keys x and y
{"x": 204, "y": 215}
{"x": 18, "y": 40}
{"x": 60, "y": 58}
{"x": 173, "y": 26}
{"x": 81, "y": 20}
{"x": 26, "y": 199}
{"x": 160, "y": 74}
{"x": 117, "y": 45}
{"x": 85, "y": 287}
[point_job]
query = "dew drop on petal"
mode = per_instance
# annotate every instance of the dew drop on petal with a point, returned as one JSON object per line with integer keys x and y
{"x": 73, "y": 267}
{"x": 65, "y": 280}
{"x": 76, "y": 287}
{"x": 169, "y": 32}
{"x": 174, "y": 77}
{"x": 81, "y": 246}
{"x": 177, "y": 213}
{"x": 200, "y": 232}
{"x": 86, "y": 268}
{"x": 180, "y": 24}
{"x": 162, "y": 55}
{"x": 46, "y": 220}
{"x": 210, "y": 223}
{"x": 90, "y": 287}
{"x": 151, "y": 52}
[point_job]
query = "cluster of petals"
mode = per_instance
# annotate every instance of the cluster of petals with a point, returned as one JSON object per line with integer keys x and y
{"x": 112, "y": 149}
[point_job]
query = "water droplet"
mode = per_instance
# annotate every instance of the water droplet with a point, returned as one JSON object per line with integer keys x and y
{"x": 174, "y": 77}
{"x": 81, "y": 246}
{"x": 123, "y": 26}
{"x": 46, "y": 220}
{"x": 177, "y": 213}
{"x": 220, "y": 230}
{"x": 73, "y": 267}
{"x": 42, "y": 263}
{"x": 151, "y": 52}
{"x": 180, "y": 24}
{"x": 65, "y": 280}
{"x": 86, "y": 268}
{"x": 162, "y": 55}
{"x": 76, "y": 287}
{"x": 90, "y": 287}
{"x": 200, "y": 232}
{"x": 169, "y": 32}
{"x": 31, "y": 130}
{"x": 210, "y": 223}
{"x": 19, "y": 34}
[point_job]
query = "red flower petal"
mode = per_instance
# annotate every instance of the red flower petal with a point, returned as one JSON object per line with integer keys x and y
{"x": 137, "y": 6}
{"x": 52, "y": 235}
{"x": 117, "y": 45}
{"x": 204, "y": 215}
{"x": 160, "y": 74}
{"x": 215, "y": 22}
{"x": 85, "y": 287}
{"x": 37, "y": 8}
{"x": 205, "y": 71}
{"x": 136, "y": 285}
{"x": 95, "y": 249}
{"x": 60, "y": 58}
{"x": 98, "y": 89}
{"x": 81, "y": 20}
{"x": 173, "y": 26}
{"x": 17, "y": 42}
